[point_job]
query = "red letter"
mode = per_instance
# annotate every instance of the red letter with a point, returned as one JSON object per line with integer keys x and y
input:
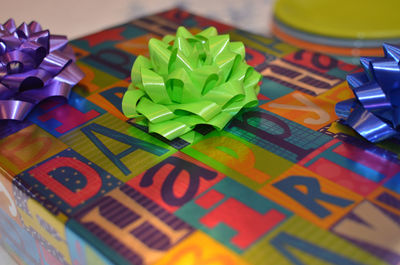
{"x": 249, "y": 224}
{"x": 41, "y": 173}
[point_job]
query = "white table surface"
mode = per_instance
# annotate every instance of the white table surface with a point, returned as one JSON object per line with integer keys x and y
{"x": 76, "y": 18}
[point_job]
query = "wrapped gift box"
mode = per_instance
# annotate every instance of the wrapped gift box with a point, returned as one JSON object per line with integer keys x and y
{"x": 284, "y": 183}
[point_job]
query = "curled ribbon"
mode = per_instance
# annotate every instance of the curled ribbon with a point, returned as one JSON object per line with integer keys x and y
{"x": 375, "y": 112}
{"x": 34, "y": 65}
{"x": 190, "y": 80}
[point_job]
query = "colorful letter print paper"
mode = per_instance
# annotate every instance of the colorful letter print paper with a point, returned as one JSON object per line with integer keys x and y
{"x": 284, "y": 183}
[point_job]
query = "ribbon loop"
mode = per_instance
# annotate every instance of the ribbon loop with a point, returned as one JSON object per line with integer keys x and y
{"x": 34, "y": 65}
{"x": 369, "y": 126}
{"x": 34, "y": 27}
{"x": 372, "y": 97}
{"x": 23, "y": 31}
{"x": 190, "y": 80}
{"x": 41, "y": 37}
{"x": 387, "y": 73}
{"x": 392, "y": 51}
{"x": 10, "y": 25}
{"x": 154, "y": 86}
{"x": 54, "y": 62}
{"x": 57, "y": 42}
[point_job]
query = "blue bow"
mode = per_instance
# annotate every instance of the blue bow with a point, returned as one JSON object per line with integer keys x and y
{"x": 375, "y": 112}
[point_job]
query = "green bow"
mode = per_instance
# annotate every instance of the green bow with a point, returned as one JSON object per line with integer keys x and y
{"x": 189, "y": 80}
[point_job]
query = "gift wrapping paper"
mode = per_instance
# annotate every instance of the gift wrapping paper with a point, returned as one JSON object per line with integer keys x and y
{"x": 283, "y": 183}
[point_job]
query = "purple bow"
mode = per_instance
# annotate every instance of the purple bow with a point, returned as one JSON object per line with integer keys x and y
{"x": 34, "y": 65}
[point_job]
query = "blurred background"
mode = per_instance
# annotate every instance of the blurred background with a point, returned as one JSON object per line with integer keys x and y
{"x": 76, "y": 18}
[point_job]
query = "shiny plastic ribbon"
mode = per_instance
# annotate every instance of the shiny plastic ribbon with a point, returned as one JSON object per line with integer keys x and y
{"x": 375, "y": 112}
{"x": 190, "y": 80}
{"x": 34, "y": 65}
